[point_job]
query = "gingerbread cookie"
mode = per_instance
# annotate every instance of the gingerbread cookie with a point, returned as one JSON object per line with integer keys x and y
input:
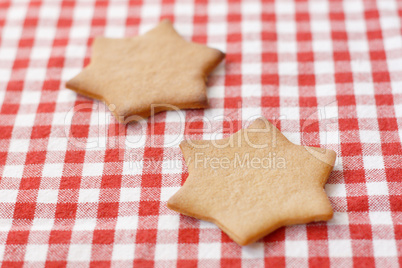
{"x": 134, "y": 74}
{"x": 254, "y": 182}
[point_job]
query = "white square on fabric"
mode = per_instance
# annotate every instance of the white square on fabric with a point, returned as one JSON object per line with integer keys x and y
{"x": 5, "y": 74}
{"x": 216, "y": 92}
{"x": 209, "y": 251}
{"x": 11, "y": 32}
{"x": 127, "y": 223}
{"x": 317, "y": 7}
{"x": 47, "y": 196}
{"x": 207, "y": 225}
{"x": 66, "y": 95}
{"x": 251, "y": 90}
{"x": 5, "y": 225}
{"x": 130, "y": 194}
{"x": 8, "y": 196}
{"x": 284, "y": 7}
{"x": 83, "y": 12}
{"x": 384, "y": 5}
{"x": 252, "y": 26}
{"x": 286, "y": 27}
{"x": 362, "y": 88}
{"x": 335, "y": 190}
{"x": 41, "y": 224}
{"x": 167, "y": 192}
{"x": 166, "y": 251}
{"x": 89, "y": 195}
{"x": 173, "y": 140}
{"x": 380, "y": 217}
{"x": 370, "y": 136}
{"x": 355, "y": 26}
{"x": 391, "y": 43}
{"x": 217, "y": 9}
{"x": 250, "y": 7}
{"x": 398, "y": 109}
{"x": 92, "y": 169}
{"x": 286, "y": 47}
{"x": 169, "y": 222}
{"x": 18, "y": 145}
{"x": 79, "y": 252}
{"x": 296, "y": 249}
{"x": 394, "y": 65}
{"x": 13, "y": 171}
{"x": 389, "y": 22}
{"x": 80, "y": 32}
{"x": 340, "y": 248}
{"x": 373, "y": 162}
{"x": 36, "y": 252}
{"x": 287, "y": 68}
{"x": 339, "y": 218}
{"x": 292, "y": 136}
{"x": 329, "y": 137}
{"x": 172, "y": 166}
{"x": 123, "y": 252}
{"x": 57, "y": 144}
{"x": 176, "y": 117}
{"x": 329, "y": 111}
{"x": 36, "y": 74}
{"x": 250, "y": 113}
{"x": 114, "y": 31}
{"x": 183, "y": 9}
{"x": 217, "y": 29}
{"x": 289, "y": 113}
{"x": 322, "y": 46}
{"x": 134, "y": 141}
{"x": 53, "y": 170}
{"x": 360, "y": 66}
{"x": 353, "y": 7}
{"x": 324, "y": 67}
{"x": 66, "y": 74}
{"x": 116, "y": 11}
{"x": 251, "y": 68}
{"x": 30, "y": 97}
{"x": 25, "y": 120}
{"x": 8, "y": 53}
{"x": 366, "y": 111}
{"x": 289, "y": 91}
{"x": 132, "y": 167}
{"x": 358, "y": 45}
{"x": 384, "y": 248}
{"x": 76, "y": 51}
{"x": 185, "y": 29}
{"x": 49, "y": 11}
{"x": 84, "y": 224}
{"x": 16, "y": 12}
{"x": 45, "y": 32}
{"x": 150, "y": 10}
{"x": 321, "y": 26}
{"x": 377, "y": 188}
{"x": 253, "y": 251}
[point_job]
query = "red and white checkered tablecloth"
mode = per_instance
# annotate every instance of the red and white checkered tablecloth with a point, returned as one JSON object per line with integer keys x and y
{"x": 79, "y": 189}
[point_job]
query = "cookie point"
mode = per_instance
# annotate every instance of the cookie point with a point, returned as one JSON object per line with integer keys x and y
{"x": 166, "y": 21}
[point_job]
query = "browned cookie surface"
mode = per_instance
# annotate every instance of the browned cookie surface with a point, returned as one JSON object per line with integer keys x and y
{"x": 254, "y": 182}
{"x": 158, "y": 68}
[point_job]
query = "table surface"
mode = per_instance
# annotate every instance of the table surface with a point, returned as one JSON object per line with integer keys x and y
{"x": 77, "y": 188}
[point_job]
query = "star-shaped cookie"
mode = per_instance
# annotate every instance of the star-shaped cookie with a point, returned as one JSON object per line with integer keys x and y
{"x": 254, "y": 182}
{"x": 158, "y": 68}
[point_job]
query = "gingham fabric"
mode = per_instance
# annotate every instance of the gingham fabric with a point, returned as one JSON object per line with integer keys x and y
{"x": 79, "y": 189}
